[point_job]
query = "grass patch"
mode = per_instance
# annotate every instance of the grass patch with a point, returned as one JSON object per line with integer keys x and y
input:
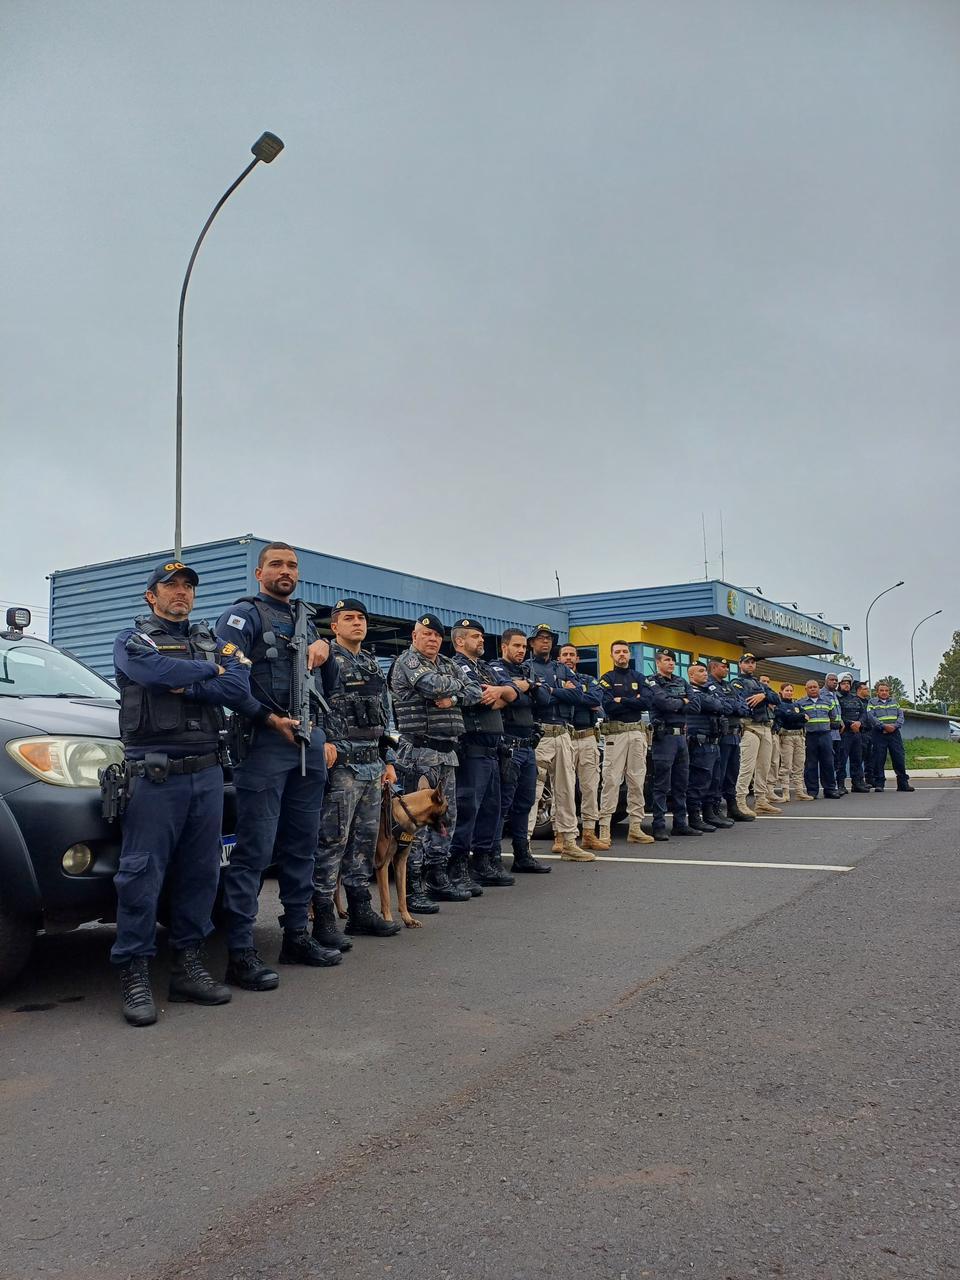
{"x": 949, "y": 753}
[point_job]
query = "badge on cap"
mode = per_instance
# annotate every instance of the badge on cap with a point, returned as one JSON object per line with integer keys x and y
{"x": 425, "y": 620}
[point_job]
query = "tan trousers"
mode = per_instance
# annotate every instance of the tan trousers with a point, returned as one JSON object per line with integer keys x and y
{"x": 793, "y": 754}
{"x": 555, "y": 761}
{"x": 773, "y": 777}
{"x": 624, "y": 756}
{"x": 755, "y": 748}
{"x": 586, "y": 764}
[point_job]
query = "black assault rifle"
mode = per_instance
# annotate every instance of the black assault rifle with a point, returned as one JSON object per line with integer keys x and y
{"x": 303, "y": 688}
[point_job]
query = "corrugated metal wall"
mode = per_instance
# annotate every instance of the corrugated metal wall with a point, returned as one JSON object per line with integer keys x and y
{"x": 682, "y": 600}
{"x": 89, "y": 605}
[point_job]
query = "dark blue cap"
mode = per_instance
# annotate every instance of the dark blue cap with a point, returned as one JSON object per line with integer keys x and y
{"x": 164, "y": 572}
{"x": 348, "y": 605}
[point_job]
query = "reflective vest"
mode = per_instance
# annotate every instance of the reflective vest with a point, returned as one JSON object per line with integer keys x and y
{"x": 158, "y": 720}
{"x": 817, "y": 714}
{"x": 884, "y": 712}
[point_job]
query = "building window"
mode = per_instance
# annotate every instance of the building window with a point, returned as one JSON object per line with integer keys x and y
{"x": 589, "y": 660}
{"x": 645, "y": 662}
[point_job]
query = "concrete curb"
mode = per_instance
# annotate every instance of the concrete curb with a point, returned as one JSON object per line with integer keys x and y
{"x": 927, "y": 773}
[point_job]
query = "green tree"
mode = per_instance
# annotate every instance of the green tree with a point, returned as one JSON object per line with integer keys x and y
{"x": 946, "y": 684}
{"x": 898, "y": 690}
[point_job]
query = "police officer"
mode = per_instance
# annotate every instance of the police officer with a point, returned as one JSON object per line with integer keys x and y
{"x": 830, "y": 692}
{"x": 479, "y": 829}
{"x": 866, "y": 734}
{"x": 703, "y": 744}
{"x": 822, "y": 716}
{"x": 350, "y": 820}
{"x": 885, "y": 717}
{"x": 773, "y": 773}
{"x": 723, "y": 785}
{"x": 672, "y": 700}
{"x": 791, "y": 724}
{"x": 555, "y": 748}
{"x": 430, "y": 691}
{"x": 174, "y": 679}
{"x": 278, "y": 805}
{"x": 586, "y": 746}
{"x": 756, "y": 744}
{"x": 625, "y": 698}
{"x": 518, "y": 788}
{"x": 851, "y": 740}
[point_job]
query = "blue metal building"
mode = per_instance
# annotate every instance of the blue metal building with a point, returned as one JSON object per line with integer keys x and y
{"x": 90, "y": 604}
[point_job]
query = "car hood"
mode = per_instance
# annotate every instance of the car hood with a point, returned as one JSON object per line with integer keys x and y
{"x": 86, "y": 717}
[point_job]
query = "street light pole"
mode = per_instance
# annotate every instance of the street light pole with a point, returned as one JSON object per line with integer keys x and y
{"x": 913, "y": 665}
{"x": 866, "y": 625}
{"x": 266, "y": 148}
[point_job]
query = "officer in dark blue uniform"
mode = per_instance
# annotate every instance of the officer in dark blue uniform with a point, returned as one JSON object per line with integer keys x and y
{"x": 478, "y": 826}
{"x": 723, "y": 786}
{"x": 672, "y": 700}
{"x": 703, "y": 744}
{"x": 174, "y": 679}
{"x": 518, "y": 789}
{"x": 278, "y": 806}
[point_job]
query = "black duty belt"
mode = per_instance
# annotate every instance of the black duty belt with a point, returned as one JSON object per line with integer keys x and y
{"x": 359, "y": 753}
{"x": 434, "y": 744}
{"x": 675, "y": 729}
{"x": 703, "y": 739}
{"x": 157, "y": 767}
{"x": 513, "y": 743}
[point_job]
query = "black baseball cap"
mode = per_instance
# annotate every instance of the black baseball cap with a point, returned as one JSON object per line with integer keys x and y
{"x": 164, "y": 572}
{"x": 431, "y": 622}
{"x": 544, "y": 629}
{"x": 349, "y": 605}
{"x": 470, "y": 624}
{"x": 748, "y": 657}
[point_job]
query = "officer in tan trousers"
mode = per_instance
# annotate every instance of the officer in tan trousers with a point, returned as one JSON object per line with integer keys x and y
{"x": 756, "y": 745}
{"x": 625, "y": 698}
{"x": 586, "y": 750}
{"x": 773, "y": 774}
{"x": 791, "y": 724}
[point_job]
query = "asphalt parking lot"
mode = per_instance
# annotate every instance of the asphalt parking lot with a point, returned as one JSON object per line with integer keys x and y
{"x": 645, "y": 1066}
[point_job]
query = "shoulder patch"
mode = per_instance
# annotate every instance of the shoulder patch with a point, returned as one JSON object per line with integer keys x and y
{"x": 236, "y": 621}
{"x": 605, "y": 684}
{"x": 412, "y": 660}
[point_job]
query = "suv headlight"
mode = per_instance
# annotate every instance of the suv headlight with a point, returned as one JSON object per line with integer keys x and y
{"x": 66, "y": 762}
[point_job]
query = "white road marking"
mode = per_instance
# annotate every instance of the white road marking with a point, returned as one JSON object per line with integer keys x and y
{"x": 829, "y": 817}
{"x": 708, "y": 862}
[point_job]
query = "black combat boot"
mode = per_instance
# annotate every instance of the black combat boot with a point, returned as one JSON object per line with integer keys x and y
{"x": 138, "y": 1007}
{"x": 439, "y": 887}
{"x": 325, "y": 929}
{"x": 500, "y": 871}
{"x": 905, "y": 786}
{"x": 299, "y": 948}
{"x": 460, "y": 876}
{"x": 698, "y": 823}
{"x": 418, "y": 904}
{"x": 659, "y": 833}
{"x": 685, "y": 829}
{"x": 739, "y": 815}
{"x": 524, "y": 861}
{"x": 246, "y": 969}
{"x": 362, "y": 919}
{"x": 861, "y": 788}
{"x": 191, "y": 983}
{"x": 712, "y": 814}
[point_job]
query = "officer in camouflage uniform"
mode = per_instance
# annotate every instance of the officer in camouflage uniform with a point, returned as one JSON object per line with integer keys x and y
{"x": 350, "y": 820}
{"x": 429, "y": 690}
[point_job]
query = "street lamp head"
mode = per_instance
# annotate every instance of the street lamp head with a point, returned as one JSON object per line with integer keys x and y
{"x": 267, "y": 147}
{"x": 896, "y": 584}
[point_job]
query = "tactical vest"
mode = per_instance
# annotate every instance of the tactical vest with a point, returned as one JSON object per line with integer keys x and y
{"x": 707, "y": 720}
{"x": 418, "y": 717}
{"x": 673, "y": 687}
{"x": 551, "y": 712}
{"x": 357, "y": 701}
{"x": 749, "y": 685}
{"x": 851, "y": 708}
{"x": 271, "y": 673}
{"x": 157, "y": 720}
{"x": 517, "y": 716}
{"x": 480, "y": 719}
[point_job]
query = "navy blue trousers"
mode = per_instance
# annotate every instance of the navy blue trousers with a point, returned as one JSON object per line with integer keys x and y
{"x": 818, "y": 764}
{"x": 892, "y": 742}
{"x": 704, "y": 763}
{"x": 478, "y": 803}
{"x": 278, "y": 820}
{"x": 518, "y": 794}
{"x": 726, "y": 770}
{"x": 851, "y": 753}
{"x": 171, "y": 830}
{"x": 671, "y": 774}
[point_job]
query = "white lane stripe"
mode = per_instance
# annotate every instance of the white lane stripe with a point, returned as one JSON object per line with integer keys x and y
{"x": 829, "y": 817}
{"x": 707, "y": 862}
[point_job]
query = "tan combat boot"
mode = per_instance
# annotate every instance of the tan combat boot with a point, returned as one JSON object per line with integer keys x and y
{"x": 557, "y": 843}
{"x": 604, "y": 839}
{"x": 637, "y": 835}
{"x": 589, "y": 841}
{"x": 764, "y": 806}
{"x": 802, "y": 795}
{"x": 570, "y": 851}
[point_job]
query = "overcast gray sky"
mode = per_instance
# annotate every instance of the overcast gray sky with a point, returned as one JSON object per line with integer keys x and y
{"x": 532, "y": 285}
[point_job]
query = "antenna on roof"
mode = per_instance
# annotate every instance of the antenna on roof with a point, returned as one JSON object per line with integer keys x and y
{"x": 556, "y": 574}
{"x": 723, "y": 567}
{"x": 703, "y": 526}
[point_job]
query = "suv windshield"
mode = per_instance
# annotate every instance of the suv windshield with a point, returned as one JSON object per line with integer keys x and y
{"x": 31, "y": 669}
